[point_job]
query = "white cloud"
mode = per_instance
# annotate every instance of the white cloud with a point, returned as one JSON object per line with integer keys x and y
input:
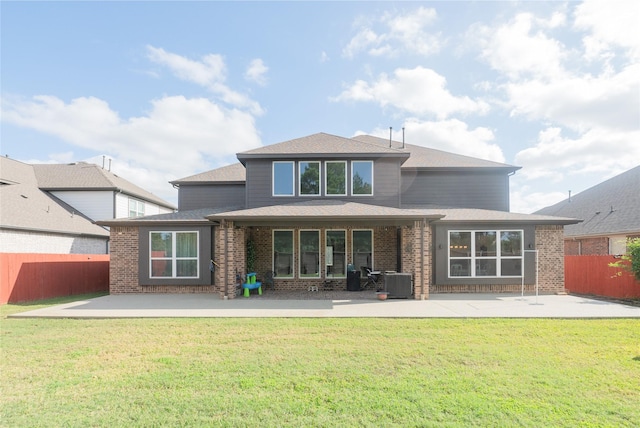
{"x": 520, "y": 47}
{"x": 581, "y": 103}
{"x": 419, "y": 91}
{"x": 400, "y": 33}
{"x": 554, "y": 156}
{"x": 210, "y": 73}
{"x": 450, "y": 135}
{"x": 611, "y": 25}
{"x": 178, "y": 137}
{"x": 256, "y": 72}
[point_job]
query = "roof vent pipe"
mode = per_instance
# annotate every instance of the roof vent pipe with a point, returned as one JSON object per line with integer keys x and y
{"x": 390, "y": 129}
{"x": 102, "y": 161}
{"x": 569, "y": 196}
{"x": 109, "y": 165}
{"x": 403, "y": 137}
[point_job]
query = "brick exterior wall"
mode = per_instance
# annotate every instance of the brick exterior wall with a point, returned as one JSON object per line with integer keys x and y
{"x": 124, "y": 270}
{"x": 549, "y": 243}
{"x": 18, "y": 241}
{"x": 385, "y": 255}
{"x": 587, "y": 246}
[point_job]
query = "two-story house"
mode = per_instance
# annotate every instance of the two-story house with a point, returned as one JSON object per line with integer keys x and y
{"x": 51, "y": 208}
{"x": 313, "y": 206}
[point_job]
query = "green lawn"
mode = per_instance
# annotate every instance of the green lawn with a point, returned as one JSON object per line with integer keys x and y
{"x": 319, "y": 372}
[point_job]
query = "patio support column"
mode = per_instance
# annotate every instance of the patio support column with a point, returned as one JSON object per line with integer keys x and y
{"x": 416, "y": 256}
{"x": 230, "y": 248}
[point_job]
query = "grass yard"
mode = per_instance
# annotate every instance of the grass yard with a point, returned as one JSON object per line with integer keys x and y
{"x": 319, "y": 372}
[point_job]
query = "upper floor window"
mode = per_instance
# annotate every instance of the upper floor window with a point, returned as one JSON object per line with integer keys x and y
{"x": 309, "y": 178}
{"x": 336, "y": 178}
{"x": 283, "y": 179}
{"x": 362, "y": 178}
{"x": 136, "y": 208}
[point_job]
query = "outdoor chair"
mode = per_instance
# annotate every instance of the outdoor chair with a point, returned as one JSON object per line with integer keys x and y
{"x": 372, "y": 278}
{"x": 251, "y": 284}
{"x": 268, "y": 281}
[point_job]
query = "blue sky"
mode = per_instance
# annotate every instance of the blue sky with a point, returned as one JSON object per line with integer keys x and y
{"x": 170, "y": 89}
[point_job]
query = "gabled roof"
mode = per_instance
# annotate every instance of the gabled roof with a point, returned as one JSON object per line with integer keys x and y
{"x": 25, "y": 207}
{"x": 424, "y": 157}
{"x": 609, "y": 208}
{"x": 87, "y": 176}
{"x": 234, "y": 173}
{"x": 321, "y": 144}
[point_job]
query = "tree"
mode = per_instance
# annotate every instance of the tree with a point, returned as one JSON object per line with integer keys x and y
{"x": 631, "y": 260}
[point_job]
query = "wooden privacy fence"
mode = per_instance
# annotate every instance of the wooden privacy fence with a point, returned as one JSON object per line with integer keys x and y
{"x": 593, "y": 275}
{"x": 29, "y": 277}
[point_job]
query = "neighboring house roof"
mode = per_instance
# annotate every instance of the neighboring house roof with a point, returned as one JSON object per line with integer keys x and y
{"x": 87, "y": 176}
{"x": 609, "y": 208}
{"x": 25, "y": 207}
{"x": 234, "y": 173}
{"x": 424, "y": 157}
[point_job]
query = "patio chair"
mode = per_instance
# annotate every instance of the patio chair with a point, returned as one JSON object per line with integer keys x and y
{"x": 268, "y": 281}
{"x": 372, "y": 278}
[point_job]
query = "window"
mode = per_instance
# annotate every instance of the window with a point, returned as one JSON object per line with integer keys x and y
{"x": 283, "y": 253}
{"x": 283, "y": 179}
{"x": 478, "y": 254}
{"x": 362, "y": 247}
{"x": 309, "y": 254}
{"x": 335, "y": 254}
{"x": 309, "y": 178}
{"x": 136, "y": 208}
{"x": 174, "y": 254}
{"x": 336, "y": 178}
{"x": 362, "y": 178}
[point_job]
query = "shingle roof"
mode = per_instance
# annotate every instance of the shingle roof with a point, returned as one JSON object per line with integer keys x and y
{"x": 321, "y": 144}
{"x": 86, "y": 176}
{"x": 473, "y": 215}
{"x": 424, "y": 157}
{"x": 179, "y": 217}
{"x": 323, "y": 210}
{"x": 25, "y": 207}
{"x": 611, "y": 207}
{"x": 227, "y": 174}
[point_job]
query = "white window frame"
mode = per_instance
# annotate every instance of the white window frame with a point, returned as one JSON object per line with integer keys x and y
{"x": 326, "y": 179}
{"x": 353, "y": 176}
{"x": 273, "y": 179}
{"x": 300, "y": 254}
{"x": 174, "y": 258}
{"x": 319, "y": 179}
{"x": 293, "y": 252}
{"x": 473, "y": 258}
{"x": 137, "y": 205}
{"x": 346, "y": 251}
{"x": 353, "y": 259}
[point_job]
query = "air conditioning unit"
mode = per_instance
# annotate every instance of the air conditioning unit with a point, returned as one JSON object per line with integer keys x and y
{"x": 398, "y": 285}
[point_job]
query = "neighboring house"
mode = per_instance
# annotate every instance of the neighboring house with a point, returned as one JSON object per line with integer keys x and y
{"x": 98, "y": 193}
{"x": 610, "y": 212}
{"x": 315, "y": 205}
{"x": 52, "y": 208}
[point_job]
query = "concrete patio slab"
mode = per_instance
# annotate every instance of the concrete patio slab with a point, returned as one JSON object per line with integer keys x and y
{"x": 438, "y": 306}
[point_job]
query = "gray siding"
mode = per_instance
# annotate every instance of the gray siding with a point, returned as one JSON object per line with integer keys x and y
{"x": 440, "y": 259}
{"x": 386, "y": 184}
{"x": 489, "y": 191}
{"x": 211, "y": 196}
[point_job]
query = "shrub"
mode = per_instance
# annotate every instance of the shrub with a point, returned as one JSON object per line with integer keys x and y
{"x": 631, "y": 260}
